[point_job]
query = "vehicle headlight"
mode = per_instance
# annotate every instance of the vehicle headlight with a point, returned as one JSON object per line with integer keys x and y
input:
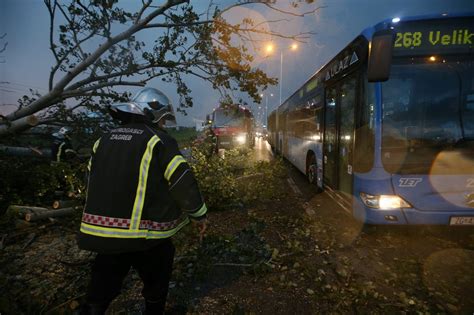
{"x": 384, "y": 202}
{"x": 241, "y": 139}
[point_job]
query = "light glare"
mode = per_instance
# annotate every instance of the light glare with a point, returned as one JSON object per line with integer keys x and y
{"x": 269, "y": 48}
{"x": 241, "y": 139}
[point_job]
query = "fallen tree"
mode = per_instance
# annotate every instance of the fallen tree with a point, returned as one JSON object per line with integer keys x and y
{"x": 97, "y": 49}
{"x": 35, "y": 216}
{"x": 25, "y": 151}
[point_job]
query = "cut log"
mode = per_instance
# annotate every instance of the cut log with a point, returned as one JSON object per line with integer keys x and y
{"x": 57, "y": 204}
{"x": 49, "y": 214}
{"x": 21, "y": 211}
{"x": 25, "y": 151}
{"x": 19, "y": 125}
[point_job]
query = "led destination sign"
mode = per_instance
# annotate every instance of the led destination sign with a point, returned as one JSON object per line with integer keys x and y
{"x": 434, "y": 37}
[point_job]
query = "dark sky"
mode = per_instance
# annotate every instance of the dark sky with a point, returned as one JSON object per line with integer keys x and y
{"x": 27, "y": 60}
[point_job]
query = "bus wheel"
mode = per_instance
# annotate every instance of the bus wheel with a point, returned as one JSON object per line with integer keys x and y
{"x": 312, "y": 171}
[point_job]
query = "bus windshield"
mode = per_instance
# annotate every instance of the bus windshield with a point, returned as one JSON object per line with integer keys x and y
{"x": 228, "y": 118}
{"x": 427, "y": 108}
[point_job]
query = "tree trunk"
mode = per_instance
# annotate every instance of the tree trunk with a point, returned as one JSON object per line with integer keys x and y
{"x": 35, "y": 216}
{"x": 21, "y": 211}
{"x": 19, "y": 125}
{"x": 22, "y": 151}
{"x": 57, "y": 204}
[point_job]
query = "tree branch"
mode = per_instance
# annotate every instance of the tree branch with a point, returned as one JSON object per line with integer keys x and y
{"x": 80, "y": 92}
{"x": 45, "y": 100}
{"x": 293, "y": 13}
{"x": 142, "y": 10}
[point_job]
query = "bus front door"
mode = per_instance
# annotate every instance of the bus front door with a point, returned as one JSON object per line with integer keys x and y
{"x": 347, "y": 101}
{"x": 330, "y": 140}
{"x": 339, "y": 136}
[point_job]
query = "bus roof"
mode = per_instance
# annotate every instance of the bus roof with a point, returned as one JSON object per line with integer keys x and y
{"x": 387, "y": 23}
{"x": 368, "y": 33}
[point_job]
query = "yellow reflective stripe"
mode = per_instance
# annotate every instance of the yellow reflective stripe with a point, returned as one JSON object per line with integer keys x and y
{"x": 94, "y": 149}
{"x": 110, "y": 232}
{"x": 142, "y": 180}
{"x": 173, "y": 165}
{"x": 58, "y": 154}
{"x": 200, "y": 212}
{"x": 96, "y": 144}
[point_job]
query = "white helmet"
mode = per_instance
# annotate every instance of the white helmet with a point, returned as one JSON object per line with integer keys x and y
{"x": 151, "y": 103}
{"x": 61, "y": 133}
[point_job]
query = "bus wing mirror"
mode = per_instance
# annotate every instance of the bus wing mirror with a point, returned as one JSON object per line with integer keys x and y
{"x": 380, "y": 56}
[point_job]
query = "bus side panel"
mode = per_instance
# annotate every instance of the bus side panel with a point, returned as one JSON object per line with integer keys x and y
{"x": 297, "y": 149}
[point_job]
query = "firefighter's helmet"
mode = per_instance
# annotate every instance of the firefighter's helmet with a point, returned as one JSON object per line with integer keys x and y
{"x": 151, "y": 103}
{"x": 61, "y": 133}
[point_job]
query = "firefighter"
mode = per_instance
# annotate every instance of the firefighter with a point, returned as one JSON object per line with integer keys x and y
{"x": 62, "y": 149}
{"x": 141, "y": 192}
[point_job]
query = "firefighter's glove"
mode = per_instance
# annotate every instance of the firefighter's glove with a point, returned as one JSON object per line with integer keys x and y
{"x": 201, "y": 227}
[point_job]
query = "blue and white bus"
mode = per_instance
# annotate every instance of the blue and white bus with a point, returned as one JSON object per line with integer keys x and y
{"x": 387, "y": 126}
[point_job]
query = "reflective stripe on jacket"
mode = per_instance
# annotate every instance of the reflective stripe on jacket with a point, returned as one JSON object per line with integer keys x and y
{"x": 140, "y": 190}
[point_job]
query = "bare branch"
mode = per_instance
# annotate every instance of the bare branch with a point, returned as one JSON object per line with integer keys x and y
{"x": 172, "y": 25}
{"x": 63, "y": 58}
{"x": 142, "y": 10}
{"x": 52, "y": 13}
{"x": 294, "y": 13}
{"x": 74, "y": 93}
{"x": 4, "y": 47}
{"x": 271, "y": 21}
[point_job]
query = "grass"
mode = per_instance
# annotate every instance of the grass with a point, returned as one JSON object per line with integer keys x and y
{"x": 184, "y": 136}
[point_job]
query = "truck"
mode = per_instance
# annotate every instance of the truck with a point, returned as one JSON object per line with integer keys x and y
{"x": 232, "y": 127}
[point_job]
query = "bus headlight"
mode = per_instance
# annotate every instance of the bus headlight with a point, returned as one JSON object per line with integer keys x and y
{"x": 384, "y": 202}
{"x": 241, "y": 139}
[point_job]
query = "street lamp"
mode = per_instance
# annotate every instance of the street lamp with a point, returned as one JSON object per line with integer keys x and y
{"x": 293, "y": 47}
{"x": 269, "y": 49}
{"x": 265, "y": 115}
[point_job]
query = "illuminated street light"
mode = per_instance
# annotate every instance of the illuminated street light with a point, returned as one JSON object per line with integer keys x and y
{"x": 269, "y": 48}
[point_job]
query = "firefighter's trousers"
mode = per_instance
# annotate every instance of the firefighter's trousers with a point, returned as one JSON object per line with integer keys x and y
{"x": 153, "y": 265}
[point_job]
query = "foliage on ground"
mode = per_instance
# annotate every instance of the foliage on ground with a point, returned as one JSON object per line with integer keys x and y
{"x": 279, "y": 255}
{"x": 235, "y": 179}
{"x": 37, "y": 182}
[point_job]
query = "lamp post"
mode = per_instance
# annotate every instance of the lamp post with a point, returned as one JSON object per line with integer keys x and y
{"x": 269, "y": 49}
{"x": 265, "y": 111}
{"x": 293, "y": 47}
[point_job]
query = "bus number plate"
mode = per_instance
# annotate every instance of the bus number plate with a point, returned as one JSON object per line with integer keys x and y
{"x": 461, "y": 221}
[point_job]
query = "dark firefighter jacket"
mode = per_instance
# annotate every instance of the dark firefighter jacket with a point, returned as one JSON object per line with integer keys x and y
{"x": 140, "y": 191}
{"x": 62, "y": 150}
